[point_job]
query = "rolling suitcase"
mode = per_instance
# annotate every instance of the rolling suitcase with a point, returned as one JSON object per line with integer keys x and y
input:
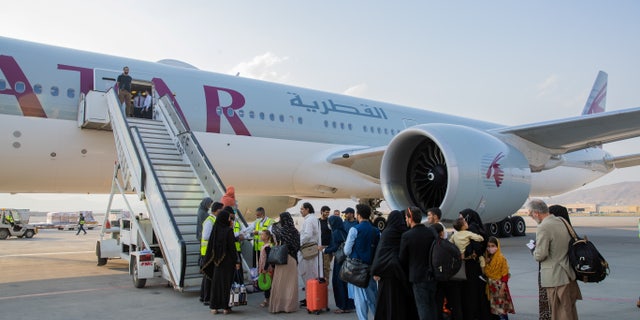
{"x": 317, "y": 292}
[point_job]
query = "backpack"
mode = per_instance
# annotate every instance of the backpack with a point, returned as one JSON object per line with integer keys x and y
{"x": 445, "y": 259}
{"x": 585, "y": 259}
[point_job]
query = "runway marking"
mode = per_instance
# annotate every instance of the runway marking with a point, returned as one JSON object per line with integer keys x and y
{"x": 42, "y": 254}
{"x": 33, "y": 295}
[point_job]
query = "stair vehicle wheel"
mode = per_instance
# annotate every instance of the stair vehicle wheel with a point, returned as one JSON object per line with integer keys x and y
{"x": 519, "y": 226}
{"x": 101, "y": 261}
{"x": 505, "y": 228}
{"x": 137, "y": 282}
{"x": 29, "y": 234}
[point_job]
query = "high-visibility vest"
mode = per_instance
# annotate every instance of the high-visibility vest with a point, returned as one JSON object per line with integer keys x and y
{"x": 236, "y": 229}
{"x": 257, "y": 243}
{"x": 205, "y": 240}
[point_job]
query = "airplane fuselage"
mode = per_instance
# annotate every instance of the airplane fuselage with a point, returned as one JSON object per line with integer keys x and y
{"x": 263, "y": 138}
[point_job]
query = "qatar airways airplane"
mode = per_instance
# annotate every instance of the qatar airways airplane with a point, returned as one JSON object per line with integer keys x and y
{"x": 281, "y": 143}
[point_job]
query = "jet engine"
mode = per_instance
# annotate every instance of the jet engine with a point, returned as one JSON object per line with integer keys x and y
{"x": 454, "y": 167}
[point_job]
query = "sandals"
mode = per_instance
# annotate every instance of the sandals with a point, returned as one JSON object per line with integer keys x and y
{"x": 214, "y": 311}
{"x": 226, "y": 311}
{"x": 264, "y": 304}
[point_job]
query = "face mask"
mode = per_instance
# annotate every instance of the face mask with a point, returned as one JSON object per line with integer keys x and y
{"x": 492, "y": 250}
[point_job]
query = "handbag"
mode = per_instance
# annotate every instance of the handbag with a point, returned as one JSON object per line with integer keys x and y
{"x": 339, "y": 254}
{"x": 238, "y": 294}
{"x": 356, "y": 272}
{"x": 309, "y": 250}
{"x": 278, "y": 254}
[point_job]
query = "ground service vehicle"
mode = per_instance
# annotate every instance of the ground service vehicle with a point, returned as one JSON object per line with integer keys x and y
{"x": 129, "y": 240}
{"x": 11, "y": 225}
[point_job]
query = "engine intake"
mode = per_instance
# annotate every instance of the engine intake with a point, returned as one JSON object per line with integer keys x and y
{"x": 454, "y": 167}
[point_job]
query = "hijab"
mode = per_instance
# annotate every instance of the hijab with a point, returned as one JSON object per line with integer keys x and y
{"x": 229, "y": 198}
{"x": 286, "y": 233}
{"x": 386, "y": 262}
{"x": 560, "y": 211}
{"x": 497, "y": 267}
{"x": 337, "y": 226}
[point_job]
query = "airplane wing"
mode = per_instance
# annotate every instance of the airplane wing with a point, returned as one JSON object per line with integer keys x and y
{"x": 366, "y": 160}
{"x": 571, "y": 134}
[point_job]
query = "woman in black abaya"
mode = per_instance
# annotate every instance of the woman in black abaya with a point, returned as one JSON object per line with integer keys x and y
{"x": 395, "y": 295}
{"x": 221, "y": 263}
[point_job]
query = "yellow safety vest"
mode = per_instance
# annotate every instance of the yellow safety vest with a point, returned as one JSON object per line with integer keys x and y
{"x": 236, "y": 229}
{"x": 204, "y": 242}
{"x": 257, "y": 243}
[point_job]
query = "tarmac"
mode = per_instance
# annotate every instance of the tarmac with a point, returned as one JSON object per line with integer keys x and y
{"x": 54, "y": 276}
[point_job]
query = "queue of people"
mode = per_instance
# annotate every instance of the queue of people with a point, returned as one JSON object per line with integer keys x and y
{"x": 400, "y": 286}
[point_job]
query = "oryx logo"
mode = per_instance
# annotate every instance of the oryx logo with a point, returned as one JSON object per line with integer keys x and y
{"x": 494, "y": 173}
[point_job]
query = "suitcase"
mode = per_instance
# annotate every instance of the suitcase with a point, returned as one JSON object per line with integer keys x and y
{"x": 317, "y": 292}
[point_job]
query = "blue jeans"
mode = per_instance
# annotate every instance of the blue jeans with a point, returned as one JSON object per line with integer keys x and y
{"x": 425, "y": 296}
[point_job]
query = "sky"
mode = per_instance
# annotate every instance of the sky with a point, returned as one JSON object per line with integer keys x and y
{"x": 510, "y": 62}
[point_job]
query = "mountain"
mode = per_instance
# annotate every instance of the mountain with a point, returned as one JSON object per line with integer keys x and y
{"x": 619, "y": 194}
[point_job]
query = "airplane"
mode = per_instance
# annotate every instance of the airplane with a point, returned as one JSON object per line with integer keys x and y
{"x": 277, "y": 144}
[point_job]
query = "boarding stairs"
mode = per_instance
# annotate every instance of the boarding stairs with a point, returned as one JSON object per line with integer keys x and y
{"x": 161, "y": 161}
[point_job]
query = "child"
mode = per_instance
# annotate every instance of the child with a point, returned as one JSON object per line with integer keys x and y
{"x": 462, "y": 237}
{"x": 497, "y": 272}
{"x": 263, "y": 266}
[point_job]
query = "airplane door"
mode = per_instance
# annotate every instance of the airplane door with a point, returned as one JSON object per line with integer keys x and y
{"x": 104, "y": 79}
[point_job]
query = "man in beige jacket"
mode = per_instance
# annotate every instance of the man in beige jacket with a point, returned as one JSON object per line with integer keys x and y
{"x": 556, "y": 274}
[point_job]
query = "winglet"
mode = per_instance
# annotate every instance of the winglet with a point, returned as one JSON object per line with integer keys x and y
{"x": 597, "y": 101}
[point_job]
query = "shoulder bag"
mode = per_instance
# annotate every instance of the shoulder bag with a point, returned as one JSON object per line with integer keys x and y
{"x": 356, "y": 272}
{"x": 309, "y": 250}
{"x": 278, "y": 254}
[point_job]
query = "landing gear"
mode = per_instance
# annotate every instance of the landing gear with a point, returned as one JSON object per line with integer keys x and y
{"x": 378, "y": 220}
{"x": 510, "y": 226}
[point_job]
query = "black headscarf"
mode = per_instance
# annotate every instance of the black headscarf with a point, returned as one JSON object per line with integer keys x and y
{"x": 285, "y": 232}
{"x": 475, "y": 226}
{"x": 385, "y": 262}
{"x": 560, "y": 211}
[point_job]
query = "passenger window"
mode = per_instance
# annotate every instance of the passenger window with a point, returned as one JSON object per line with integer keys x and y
{"x": 299, "y": 120}
{"x": 252, "y": 114}
{"x": 230, "y": 112}
{"x": 71, "y": 93}
{"x": 281, "y": 118}
{"x": 37, "y": 88}
{"x": 20, "y": 87}
{"x": 261, "y": 115}
{"x": 55, "y": 91}
{"x": 272, "y": 117}
{"x": 3, "y": 85}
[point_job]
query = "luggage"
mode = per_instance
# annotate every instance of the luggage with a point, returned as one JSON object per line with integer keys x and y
{"x": 317, "y": 292}
{"x": 317, "y": 295}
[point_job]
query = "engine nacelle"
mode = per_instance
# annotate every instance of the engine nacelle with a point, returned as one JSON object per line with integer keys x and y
{"x": 454, "y": 167}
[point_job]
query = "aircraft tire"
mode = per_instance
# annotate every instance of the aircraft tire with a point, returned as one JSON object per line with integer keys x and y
{"x": 505, "y": 227}
{"x": 519, "y": 226}
{"x": 380, "y": 223}
{"x": 493, "y": 229}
